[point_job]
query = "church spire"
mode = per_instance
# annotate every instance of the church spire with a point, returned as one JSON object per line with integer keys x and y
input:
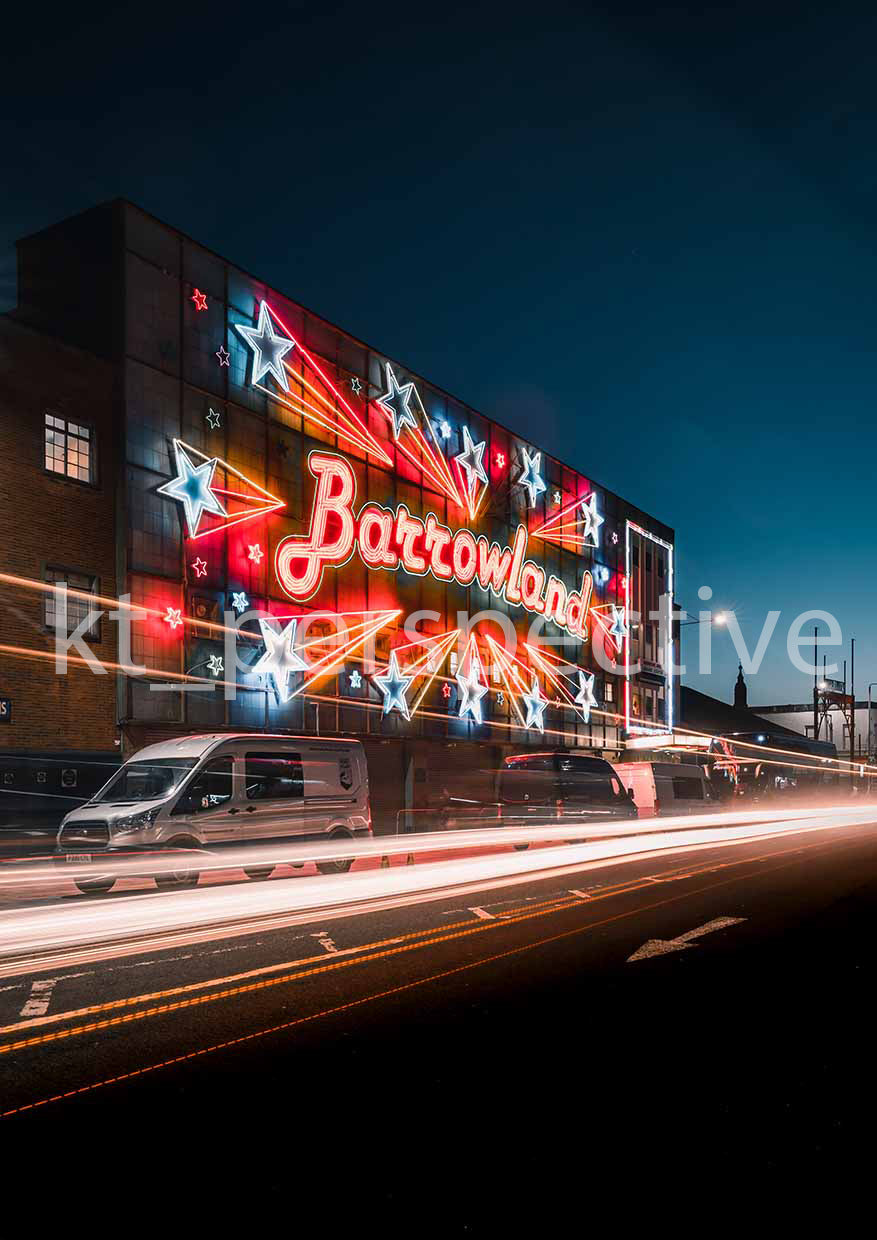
{"x": 740, "y": 702}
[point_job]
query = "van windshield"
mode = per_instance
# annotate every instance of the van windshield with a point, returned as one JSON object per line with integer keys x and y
{"x": 145, "y": 781}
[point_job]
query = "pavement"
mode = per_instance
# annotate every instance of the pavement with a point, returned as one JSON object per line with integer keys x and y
{"x": 619, "y": 1041}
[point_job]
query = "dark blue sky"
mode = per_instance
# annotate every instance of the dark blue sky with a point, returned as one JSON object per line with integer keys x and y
{"x": 644, "y": 239}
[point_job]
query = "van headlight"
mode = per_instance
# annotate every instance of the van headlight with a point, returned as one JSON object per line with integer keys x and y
{"x": 136, "y": 822}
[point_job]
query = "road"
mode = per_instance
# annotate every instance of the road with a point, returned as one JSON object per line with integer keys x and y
{"x": 476, "y": 1056}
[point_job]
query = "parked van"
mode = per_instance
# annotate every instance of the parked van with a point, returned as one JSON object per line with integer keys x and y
{"x": 204, "y": 791}
{"x": 537, "y": 787}
{"x": 664, "y": 788}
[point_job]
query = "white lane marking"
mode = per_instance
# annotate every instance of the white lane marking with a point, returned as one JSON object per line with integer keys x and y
{"x": 327, "y": 944}
{"x": 583, "y": 895}
{"x": 661, "y": 947}
{"x": 40, "y": 997}
{"x": 483, "y": 914}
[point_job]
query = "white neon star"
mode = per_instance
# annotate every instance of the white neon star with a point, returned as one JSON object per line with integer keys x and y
{"x": 618, "y": 629}
{"x": 531, "y": 477}
{"x": 592, "y": 519}
{"x": 214, "y": 664}
{"x": 213, "y": 420}
{"x": 355, "y": 679}
{"x": 445, "y": 430}
{"x": 173, "y": 618}
{"x": 240, "y": 602}
{"x": 396, "y": 403}
{"x": 255, "y": 552}
{"x": 585, "y": 696}
{"x": 394, "y": 685}
{"x": 471, "y": 461}
{"x": 356, "y": 384}
{"x": 536, "y": 705}
{"x": 280, "y": 660}
{"x": 473, "y": 690}
{"x": 269, "y": 349}
{"x": 192, "y": 488}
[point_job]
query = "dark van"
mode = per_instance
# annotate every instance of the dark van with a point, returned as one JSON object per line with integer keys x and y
{"x": 537, "y": 787}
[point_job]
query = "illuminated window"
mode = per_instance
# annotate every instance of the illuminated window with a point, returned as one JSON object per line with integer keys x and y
{"x": 78, "y": 607}
{"x": 69, "y": 449}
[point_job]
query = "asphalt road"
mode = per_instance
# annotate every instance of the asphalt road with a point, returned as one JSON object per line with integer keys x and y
{"x": 467, "y": 1064}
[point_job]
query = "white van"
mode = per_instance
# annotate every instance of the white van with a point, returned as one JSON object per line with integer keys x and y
{"x": 664, "y": 788}
{"x": 200, "y": 791}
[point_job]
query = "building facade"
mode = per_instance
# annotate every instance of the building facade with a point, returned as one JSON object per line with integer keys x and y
{"x": 308, "y": 536}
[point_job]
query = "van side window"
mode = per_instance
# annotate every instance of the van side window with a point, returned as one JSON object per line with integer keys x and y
{"x": 687, "y": 788}
{"x": 273, "y": 776}
{"x": 212, "y": 786}
{"x": 589, "y": 780}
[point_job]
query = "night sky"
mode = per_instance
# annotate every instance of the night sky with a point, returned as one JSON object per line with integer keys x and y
{"x": 643, "y": 239}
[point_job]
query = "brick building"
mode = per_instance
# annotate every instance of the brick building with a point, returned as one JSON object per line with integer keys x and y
{"x": 164, "y": 418}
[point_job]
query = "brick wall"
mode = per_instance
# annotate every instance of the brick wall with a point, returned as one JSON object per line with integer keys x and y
{"x": 46, "y": 519}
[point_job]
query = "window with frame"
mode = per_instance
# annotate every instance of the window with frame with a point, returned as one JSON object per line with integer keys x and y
{"x": 77, "y": 606}
{"x": 69, "y": 448}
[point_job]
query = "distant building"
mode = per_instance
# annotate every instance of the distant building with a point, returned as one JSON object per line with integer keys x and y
{"x": 834, "y": 728}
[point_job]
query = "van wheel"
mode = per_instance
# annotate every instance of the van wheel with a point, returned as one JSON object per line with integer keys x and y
{"x": 177, "y": 880}
{"x": 339, "y": 866}
{"x": 90, "y": 886}
{"x": 258, "y": 871}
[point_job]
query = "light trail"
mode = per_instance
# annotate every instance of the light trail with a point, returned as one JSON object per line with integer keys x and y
{"x": 44, "y": 936}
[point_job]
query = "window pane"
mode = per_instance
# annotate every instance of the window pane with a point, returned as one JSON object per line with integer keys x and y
{"x": 270, "y": 776}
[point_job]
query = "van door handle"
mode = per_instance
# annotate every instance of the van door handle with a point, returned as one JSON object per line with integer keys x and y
{"x": 234, "y": 811}
{"x": 251, "y": 809}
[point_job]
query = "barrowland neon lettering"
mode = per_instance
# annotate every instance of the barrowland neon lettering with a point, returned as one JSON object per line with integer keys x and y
{"x": 388, "y": 538}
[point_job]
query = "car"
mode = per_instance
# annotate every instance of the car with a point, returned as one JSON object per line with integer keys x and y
{"x": 205, "y": 791}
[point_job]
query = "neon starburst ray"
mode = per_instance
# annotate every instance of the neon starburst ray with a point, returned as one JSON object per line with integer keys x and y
{"x": 326, "y": 405}
{"x": 196, "y": 488}
{"x": 426, "y": 666}
{"x": 564, "y": 526}
{"x": 510, "y": 669}
{"x": 357, "y": 635}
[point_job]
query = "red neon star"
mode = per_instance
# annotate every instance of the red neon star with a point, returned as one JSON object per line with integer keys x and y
{"x": 200, "y": 299}
{"x": 446, "y": 690}
{"x": 173, "y": 618}
{"x": 200, "y": 567}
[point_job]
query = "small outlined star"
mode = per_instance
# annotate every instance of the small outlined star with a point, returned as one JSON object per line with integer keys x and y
{"x": 173, "y": 617}
{"x": 355, "y": 680}
{"x": 213, "y": 420}
{"x": 356, "y": 384}
{"x": 445, "y": 430}
{"x": 223, "y": 355}
{"x": 200, "y": 299}
{"x": 240, "y": 602}
{"x": 200, "y": 567}
{"x": 557, "y": 497}
{"x": 255, "y": 552}
{"x": 615, "y": 536}
{"x": 446, "y": 690}
{"x": 214, "y": 663}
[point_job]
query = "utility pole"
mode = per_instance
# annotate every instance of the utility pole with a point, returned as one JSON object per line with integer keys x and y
{"x": 853, "y": 699}
{"x": 815, "y": 685}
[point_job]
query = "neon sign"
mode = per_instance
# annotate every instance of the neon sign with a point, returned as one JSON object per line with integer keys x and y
{"x": 391, "y": 538}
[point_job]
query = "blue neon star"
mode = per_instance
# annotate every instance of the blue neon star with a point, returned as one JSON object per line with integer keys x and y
{"x": 536, "y": 705}
{"x": 591, "y": 518}
{"x": 269, "y": 349}
{"x": 473, "y": 690}
{"x": 280, "y": 659}
{"x": 471, "y": 461}
{"x": 531, "y": 477}
{"x": 396, "y": 401}
{"x": 394, "y": 686}
{"x": 618, "y": 629}
{"x": 192, "y": 488}
{"x": 585, "y": 696}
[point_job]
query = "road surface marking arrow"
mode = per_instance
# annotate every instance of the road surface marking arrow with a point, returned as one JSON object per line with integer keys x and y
{"x": 660, "y": 947}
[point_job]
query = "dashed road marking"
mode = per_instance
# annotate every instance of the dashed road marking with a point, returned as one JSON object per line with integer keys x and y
{"x": 40, "y": 997}
{"x": 483, "y": 914}
{"x": 327, "y": 943}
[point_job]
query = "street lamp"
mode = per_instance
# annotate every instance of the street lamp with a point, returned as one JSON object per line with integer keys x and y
{"x": 868, "y": 720}
{"x": 720, "y": 619}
